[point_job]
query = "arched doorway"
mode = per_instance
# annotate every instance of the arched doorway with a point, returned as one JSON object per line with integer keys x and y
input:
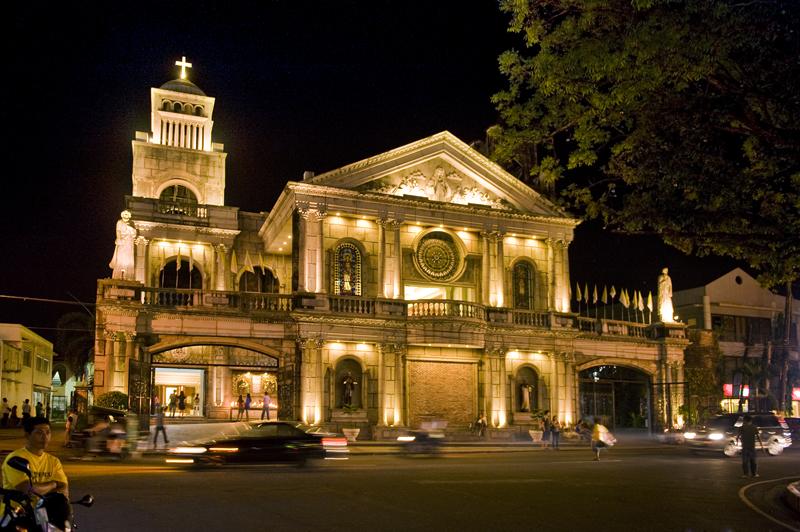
{"x": 211, "y": 377}
{"x": 619, "y": 396}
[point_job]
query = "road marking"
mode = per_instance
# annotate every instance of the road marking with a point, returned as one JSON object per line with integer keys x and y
{"x": 758, "y": 510}
{"x": 485, "y": 481}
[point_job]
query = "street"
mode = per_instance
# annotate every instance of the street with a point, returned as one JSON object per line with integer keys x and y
{"x": 658, "y": 488}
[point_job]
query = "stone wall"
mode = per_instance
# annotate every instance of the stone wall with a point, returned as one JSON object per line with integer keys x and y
{"x": 441, "y": 390}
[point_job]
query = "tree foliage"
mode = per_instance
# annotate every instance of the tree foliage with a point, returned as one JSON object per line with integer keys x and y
{"x": 116, "y": 400}
{"x": 679, "y": 118}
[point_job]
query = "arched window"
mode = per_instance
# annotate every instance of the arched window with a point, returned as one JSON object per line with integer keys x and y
{"x": 166, "y": 106}
{"x": 198, "y": 111}
{"x": 173, "y": 277}
{"x": 262, "y": 281}
{"x": 523, "y": 285}
{"x": 527, "y": 393}
{"x": 177, "y": 199}
{"x": 347, "y": 270}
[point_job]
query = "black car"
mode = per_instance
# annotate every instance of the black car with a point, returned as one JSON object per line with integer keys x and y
{"x": 266, "y": 441}
{"x": 720, "y": 433}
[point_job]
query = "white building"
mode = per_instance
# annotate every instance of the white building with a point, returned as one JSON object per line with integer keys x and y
{"x": 25, "y": 362}
{"x": 424, "y": 282}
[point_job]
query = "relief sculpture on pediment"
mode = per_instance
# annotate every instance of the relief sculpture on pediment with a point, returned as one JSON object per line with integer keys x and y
{"x": 441, "y": 186}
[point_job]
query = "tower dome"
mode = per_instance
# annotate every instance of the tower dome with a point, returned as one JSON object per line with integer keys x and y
{"x": 183, "y": 85}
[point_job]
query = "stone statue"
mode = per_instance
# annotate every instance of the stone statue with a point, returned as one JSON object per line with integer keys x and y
{"x": 122, "y": 262}
{"x": 665, "y": 310}
{"x": 349, "y": 384}
{"x": 525, "y": 393}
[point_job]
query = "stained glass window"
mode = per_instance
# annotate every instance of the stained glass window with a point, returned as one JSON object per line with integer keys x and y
{"x": 347, "y": 270}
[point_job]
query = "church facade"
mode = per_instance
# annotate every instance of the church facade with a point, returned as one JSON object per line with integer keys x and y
{"x": 424, "y": 283}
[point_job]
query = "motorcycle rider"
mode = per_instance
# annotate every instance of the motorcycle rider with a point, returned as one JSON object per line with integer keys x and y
{"x": 47, "y": 473}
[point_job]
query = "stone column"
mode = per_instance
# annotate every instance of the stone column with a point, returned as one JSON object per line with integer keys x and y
{"x": 564, "y": 293}
{"x": 498, "y": 413}
{"x": 302, "y": 209}
{"x": 381, "y": 223}
{"x": 401, "y": 385}
{"x": 501, "y": 271}
{"x": 397, "y": 290}
{"x": 486, "y": 267}
{"x": 381, "y": 348}
{"x": 320, "y": 269}
{"x": 142, "y": 259}
{"x": 551, "y": 275}
{"x": 311, "y": 380}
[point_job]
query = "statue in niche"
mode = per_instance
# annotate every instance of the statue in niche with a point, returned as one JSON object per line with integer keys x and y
{"x": 665, "y": 309}
{"x": 121, "y": 264}
{"x": 349, "y": 384}
{"x": 525, "y": 391}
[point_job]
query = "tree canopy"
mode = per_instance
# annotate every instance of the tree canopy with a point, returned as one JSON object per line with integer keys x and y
{"x": 668, "y": 117}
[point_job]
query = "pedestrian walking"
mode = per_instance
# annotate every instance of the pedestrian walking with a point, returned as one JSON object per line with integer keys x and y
{"x": 182, "y": 403}
{"x": 265, "y": 406}
{"x": 601, "y": 438}
{"x": 247, "y": 402}
{"x": 555, "y": 432}
{"x": 26, "y": 409}
{"x": 240, "y": 405}
{"x": 160, "y": 427}
{"x": 748, "y": 434}
{"x": 6, "y": 410}
{"x": 68, "y": 430}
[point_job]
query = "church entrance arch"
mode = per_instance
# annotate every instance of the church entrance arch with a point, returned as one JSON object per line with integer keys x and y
{"x": 207, "y": 379}
{"x": 618, "y": 395}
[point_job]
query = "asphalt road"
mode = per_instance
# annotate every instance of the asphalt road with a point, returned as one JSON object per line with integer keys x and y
{"x": 664, "y": 488}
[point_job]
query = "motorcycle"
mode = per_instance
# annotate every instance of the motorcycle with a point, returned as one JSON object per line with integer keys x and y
{"x": 27, "y": 511}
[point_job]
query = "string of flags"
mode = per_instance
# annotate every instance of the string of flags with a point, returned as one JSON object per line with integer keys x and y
{"x": 633, "y": 303}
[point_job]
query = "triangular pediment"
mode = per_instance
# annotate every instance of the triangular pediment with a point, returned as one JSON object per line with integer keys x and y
{"x": 440, "y": 168}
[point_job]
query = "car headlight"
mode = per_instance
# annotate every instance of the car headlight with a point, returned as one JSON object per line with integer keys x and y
{"x": 689, "y": 435}
{"x": 716, "y": 436}
{"x": 188, "y": 450}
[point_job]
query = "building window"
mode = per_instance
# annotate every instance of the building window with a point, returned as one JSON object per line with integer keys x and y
{"x": 347, "y": 270}
{"x": 177, "y": 199}
{"x": 26, "y": 359}
{"x": 747, "y": 330}
{"x": 523, "y": 285}
{"x": 42, "y": 365}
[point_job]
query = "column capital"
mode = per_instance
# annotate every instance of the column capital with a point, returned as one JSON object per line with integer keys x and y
{"x": 141, "y": 240}
{"x": 310, "y": 342}
{"x": 396, "y": 223}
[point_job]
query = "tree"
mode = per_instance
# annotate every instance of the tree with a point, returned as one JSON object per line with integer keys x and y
{"x": 675, "y": 118}
{"x": 75, "y": 341}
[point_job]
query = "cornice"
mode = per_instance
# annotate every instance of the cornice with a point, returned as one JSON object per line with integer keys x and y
{"x": 149, "y": 226}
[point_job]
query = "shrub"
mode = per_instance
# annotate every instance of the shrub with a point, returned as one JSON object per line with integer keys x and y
{"x": 116, "y": 400}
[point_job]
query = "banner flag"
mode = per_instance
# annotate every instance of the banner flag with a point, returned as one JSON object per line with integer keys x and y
{"x": 248, "y": 263}
{"x": 234, "y": 263}
{"x": 586, "y": 292}
{"x": 650, "y": 301}
{"x": 578, "y": 294}
{"x": 613, "y": 292}
{"x": 191, "y": 259}
{"x": 594, "y": 295}
{"x": 605, "y": 295}
{"x": 641, "y": 303}
{"x": 178, "y": 260}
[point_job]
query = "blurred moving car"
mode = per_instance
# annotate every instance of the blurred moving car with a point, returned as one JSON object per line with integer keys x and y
{"x": 266, "y": 441}
{"x": 794, "y": 428}
{"x": 720, "y": 433}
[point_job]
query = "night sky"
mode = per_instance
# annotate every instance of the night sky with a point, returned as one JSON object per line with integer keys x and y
{"x": 298, "y": 86}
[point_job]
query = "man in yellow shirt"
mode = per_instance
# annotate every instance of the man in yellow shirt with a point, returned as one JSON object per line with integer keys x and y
{"x": 47, "y": 473}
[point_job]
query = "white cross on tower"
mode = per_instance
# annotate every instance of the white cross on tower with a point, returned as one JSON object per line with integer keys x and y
{"x": 184, "y": 65}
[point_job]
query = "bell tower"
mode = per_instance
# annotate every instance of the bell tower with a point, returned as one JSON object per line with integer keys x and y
{"x": 178, "y": 157}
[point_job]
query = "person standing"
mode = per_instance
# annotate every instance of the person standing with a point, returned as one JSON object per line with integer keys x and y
{"x": 182, "y": 403}
{"x": 555, "y": 432}
{"x": 6, "y": 413}
{"x": 265, "y": 407}
{"x": 26, "y": 409}
{"x": 160, "y": 427}
{"x": 173, "y": 403}
{"x": 196, "y": 405}
{"x": 240, "y": 405}
{"x": 545, "y": 428}
{"x": 13, "y": 420}
{"x": 68, "y": 430}
{"x": 247, "y": 402}
{"x": 39, "y": 409}
{"x": 748, "y": 434}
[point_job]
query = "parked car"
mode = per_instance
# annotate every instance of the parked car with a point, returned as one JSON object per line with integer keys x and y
{"x": 266, "y": 441}
{"x": 720, "y": 433}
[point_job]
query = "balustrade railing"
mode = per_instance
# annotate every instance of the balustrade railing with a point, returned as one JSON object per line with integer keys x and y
{"x": 351, "y": 305}
{"x": 442, "y": 308}
{"x": 182, "y": 207}
{"x": 530, "y": 318}
{"x": 245, "y": 301}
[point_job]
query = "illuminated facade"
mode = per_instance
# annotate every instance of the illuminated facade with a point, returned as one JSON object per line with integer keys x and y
{"x": 425, "y": 282}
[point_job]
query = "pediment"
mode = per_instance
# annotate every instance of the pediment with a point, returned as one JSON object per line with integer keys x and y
{"x": 440, "y": 168}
